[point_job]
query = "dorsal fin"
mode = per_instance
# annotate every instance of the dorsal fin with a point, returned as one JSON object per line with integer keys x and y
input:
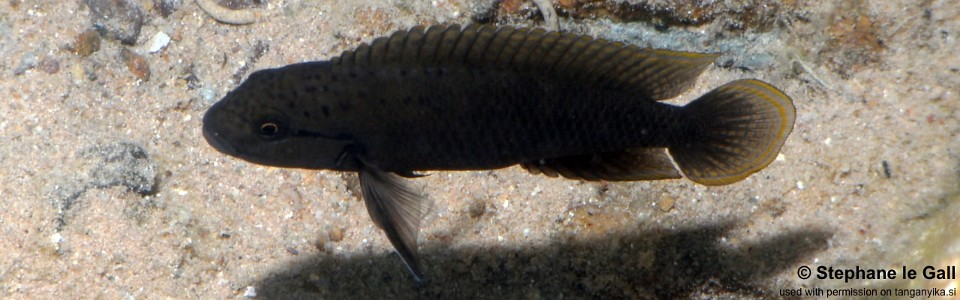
{"x": 659, "y": 74}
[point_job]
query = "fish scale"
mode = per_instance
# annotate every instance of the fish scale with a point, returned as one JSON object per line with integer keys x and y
{"x": 483, "y": 97}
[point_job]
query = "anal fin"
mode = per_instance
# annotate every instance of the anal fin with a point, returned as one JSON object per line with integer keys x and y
{"x": 396, "y": 209}
{"x": 627, "y": 165}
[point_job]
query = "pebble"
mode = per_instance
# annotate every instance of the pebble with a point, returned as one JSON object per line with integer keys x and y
{"x": 666, "y": 203}
{"x": 158, "y": 42}
{"x": 56, "y": 238}
{"x": 119, "y": 19}
{"x": 49, "y": 65}
{"x": 335, "y": 234}
{"x": 106, "y": 165}
{"x": 87, "y": 42}
{"x": 536, "y": 191}
{"x": 137, "y": 65}
{"x": 193, "y": 82}
{"x": 77, "y": 74}
{"x": 476, "y": 208}
{"x": 250, "y": 292}
{"x": 122, "y": 164}
{"x": 166, "y": 7}
{"x": 28, "y": 61}
{"x": 208, "y": 95}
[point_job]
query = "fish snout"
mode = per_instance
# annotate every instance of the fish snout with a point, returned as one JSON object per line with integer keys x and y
{"x": 214, "y": 131}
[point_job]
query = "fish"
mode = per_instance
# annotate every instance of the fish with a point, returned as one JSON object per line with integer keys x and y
{"x": 481, "y": 97}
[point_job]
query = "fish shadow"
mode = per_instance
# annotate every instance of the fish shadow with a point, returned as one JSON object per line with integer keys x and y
{"x": 658, "y": 263}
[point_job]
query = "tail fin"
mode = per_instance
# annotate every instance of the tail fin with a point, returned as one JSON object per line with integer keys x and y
{"x": 733, "y": 131}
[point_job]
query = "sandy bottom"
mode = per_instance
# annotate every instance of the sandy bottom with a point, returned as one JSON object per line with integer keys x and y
{"x": 109, "y": 190}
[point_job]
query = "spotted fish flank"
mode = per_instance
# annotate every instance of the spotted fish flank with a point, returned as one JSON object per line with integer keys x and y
{"x": 485, "y": 97}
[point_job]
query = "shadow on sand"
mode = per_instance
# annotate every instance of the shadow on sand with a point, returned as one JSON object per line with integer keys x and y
{"x": 659, "y": 263}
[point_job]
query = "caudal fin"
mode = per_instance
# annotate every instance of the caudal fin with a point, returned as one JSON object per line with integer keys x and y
{"x": 733, "y": 131}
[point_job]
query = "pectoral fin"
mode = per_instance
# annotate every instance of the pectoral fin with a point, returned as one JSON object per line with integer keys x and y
{"x": 396, "y": 209}
{"x": 627, "y": 165}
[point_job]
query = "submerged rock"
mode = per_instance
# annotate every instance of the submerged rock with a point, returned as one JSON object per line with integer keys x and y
{"x": 119, "y": 19}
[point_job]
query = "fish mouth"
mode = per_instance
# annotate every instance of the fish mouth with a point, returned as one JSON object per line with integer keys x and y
{"x": 214, "y": 137}
{"x": 218, "y": 142}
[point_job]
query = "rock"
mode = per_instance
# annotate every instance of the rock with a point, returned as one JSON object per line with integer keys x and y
{"x": 104, "y": 166}
{"x": 87, "y": 43}
{"x": 250, "y": 292}
{"x": 27, "y": 62}
{"x": 121, "y": 164}
{"x": 166, "y": 7}
{"x": 49, "y": 65}
{"x": 335, "y": 234}
{"x": 158, "y": 42}
{"x": 665, "y": 203}
{"x": 208, "y": 95}
{"x": 476, "y": 209}
{"x": 119, "y": 19}
{"x": 136, "y": 63}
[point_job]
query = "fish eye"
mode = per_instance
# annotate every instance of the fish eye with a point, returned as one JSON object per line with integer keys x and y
{"x": 271, "y": 129}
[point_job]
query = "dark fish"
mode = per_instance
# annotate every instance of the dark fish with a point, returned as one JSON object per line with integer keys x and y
{"x": 485, "y": 97}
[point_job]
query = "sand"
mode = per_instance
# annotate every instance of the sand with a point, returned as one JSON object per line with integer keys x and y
{"x": 110, "y": 191}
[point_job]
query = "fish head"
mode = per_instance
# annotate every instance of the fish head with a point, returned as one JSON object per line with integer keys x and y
{"x": 258, "y": 124}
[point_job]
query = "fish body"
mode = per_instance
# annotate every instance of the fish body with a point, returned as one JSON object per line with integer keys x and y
{"x": 484, "y": 97}
{"x": 415, "y": 119}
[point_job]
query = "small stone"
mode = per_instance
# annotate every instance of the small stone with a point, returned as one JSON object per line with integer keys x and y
{"x": 207, "y": 94}
{"x": 77, "y": 74}
{"x": 158, "y": 42}
{"x": 49, "y": 65}
{"x": 510, "y": 7}
{"x": 122, "y": 164}
{"x": 107, "y": 165}
{"x": 87, "y": 43}
{"x": 666, "y": 203}
{"x": 90, "y": 70}
{"x": 250, "y": 292}
{"x": 476, "y": 208}
{"x": 166, "y": 7}
{"x": 27, "y": 62}
{"x": 119, "y": 19}
{"x": 567, "y": 4}
{"x": 193, "y": 82}
{"x": 536, "y": 191}
{"x": 136, "y": 64}
{"x": 335, "y": 234}
{"x": 320, "y": 244}
{"x": 56, "y": 238}
{"x": 887, "y": 171}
